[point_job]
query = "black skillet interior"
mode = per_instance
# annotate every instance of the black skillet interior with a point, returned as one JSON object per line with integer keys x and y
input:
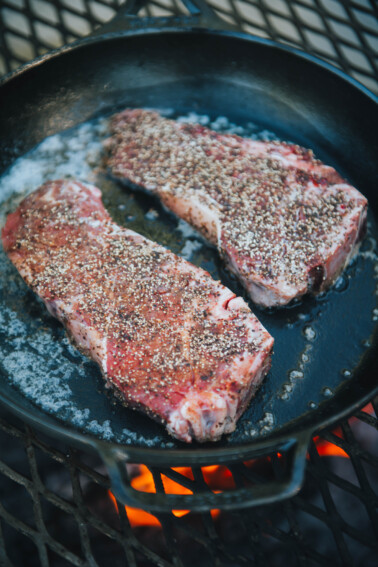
{"x": 325, "y": 354}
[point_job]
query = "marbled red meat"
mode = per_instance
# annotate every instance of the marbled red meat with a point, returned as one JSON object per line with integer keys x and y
{"x": 285, "y": 223}
{"x": 170, "y": 340}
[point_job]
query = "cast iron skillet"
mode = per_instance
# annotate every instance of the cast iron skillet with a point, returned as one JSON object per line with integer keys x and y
{"x": 182, "y": 64}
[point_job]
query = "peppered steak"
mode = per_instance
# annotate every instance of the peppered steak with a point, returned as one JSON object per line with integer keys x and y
{"x": 169, "y": 339}
{"x": 285, "y": 223}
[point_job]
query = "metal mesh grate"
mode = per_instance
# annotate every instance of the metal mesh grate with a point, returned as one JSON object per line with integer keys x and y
{"x": 55, "y": 509}
{"x": 344, "y": 32}
{"x": 29, "y": 28}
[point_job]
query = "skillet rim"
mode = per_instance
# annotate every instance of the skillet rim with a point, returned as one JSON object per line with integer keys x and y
{"x": 298, "y": 430}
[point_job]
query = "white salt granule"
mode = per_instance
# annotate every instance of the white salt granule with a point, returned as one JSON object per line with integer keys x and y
{"x": 151, "y": 215}
{"x": 327, "y": 392}
{"x": 103, "y": 430}
{"x": 58, "y": 156}
{"x": 79, "y": 417}
{"x": 309, "y": 333}
{"x": 14, "y": 326}
{"x": 190, "y": 247}
{"x": 52, "y": 144}
{"x": 29, "y": 373}
{"x": 295, "y": 375}
{"x": 194, "y": 118}
{"x": 267, "y": 136}
{"x": 267, "y": 419}
{"x": 221, "y": 123}
{"x": 266, "y": 423}
{"x": 187, "y": 230}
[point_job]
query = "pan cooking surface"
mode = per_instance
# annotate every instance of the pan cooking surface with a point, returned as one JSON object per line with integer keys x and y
{"x": 318, "y": 342}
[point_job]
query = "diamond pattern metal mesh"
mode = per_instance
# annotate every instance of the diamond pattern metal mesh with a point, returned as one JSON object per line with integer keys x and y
{"x": 55, "y": 509}
{"x": 344, "y": 32}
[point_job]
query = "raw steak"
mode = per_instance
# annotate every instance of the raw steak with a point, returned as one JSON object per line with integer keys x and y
{"x": 169, "y": 339}
{"x": 285, "y": 223}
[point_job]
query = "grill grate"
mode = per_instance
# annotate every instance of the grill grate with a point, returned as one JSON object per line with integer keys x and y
{"x": 55, "y": 509}
{"x": 67, "y": 517}
{"x": 344, "y": 32}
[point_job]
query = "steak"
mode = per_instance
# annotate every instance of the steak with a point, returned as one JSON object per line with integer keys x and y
{"x": 170, "y": 340}
{"x": 285, "y": 223}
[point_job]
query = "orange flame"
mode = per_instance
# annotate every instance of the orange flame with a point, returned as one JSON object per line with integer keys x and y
{"x": 217, "y": 477}
{"x": 326, "y": 449}
{"x": 137, "y": 518}
{"x": 145, "y": 483}
{"x": 214, "y": 476}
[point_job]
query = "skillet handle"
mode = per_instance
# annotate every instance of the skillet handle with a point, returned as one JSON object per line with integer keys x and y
{"x": 201, "y": 15}
{"x": 247, "y": 497}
